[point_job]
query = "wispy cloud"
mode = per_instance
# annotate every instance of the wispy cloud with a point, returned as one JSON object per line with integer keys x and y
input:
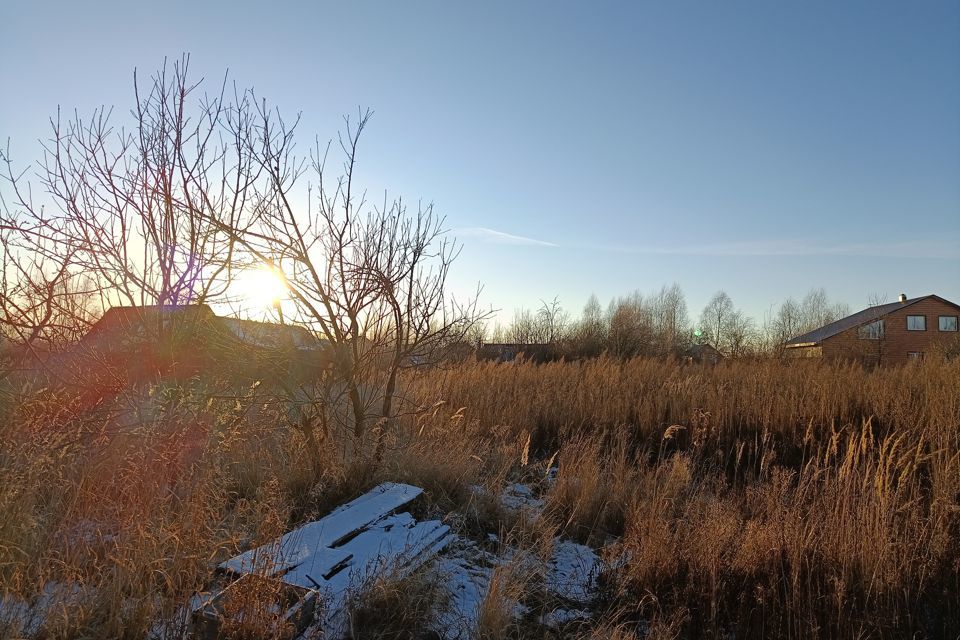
{"x": 913, "y": 249}
{"x": 500, "y": 237}
{"x": 948, "y": 249}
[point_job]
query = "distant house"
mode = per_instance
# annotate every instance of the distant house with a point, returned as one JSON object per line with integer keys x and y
{"x": 891, "y": 333}
{"x": 181, "y": 341}
{"x": 270, "y": 335}
{"x": 702, "y": 354}
{"x": 508, "y": 351}
{"x": 115, "y": 370}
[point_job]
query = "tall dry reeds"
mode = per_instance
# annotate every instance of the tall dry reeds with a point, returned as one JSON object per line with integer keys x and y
{"x": 758, "y": 498}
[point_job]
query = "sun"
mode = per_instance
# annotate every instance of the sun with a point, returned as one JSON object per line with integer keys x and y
{"x": 263, "y": 286}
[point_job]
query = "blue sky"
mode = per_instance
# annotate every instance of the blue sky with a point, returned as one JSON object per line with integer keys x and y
{"x": 760, "y": 148}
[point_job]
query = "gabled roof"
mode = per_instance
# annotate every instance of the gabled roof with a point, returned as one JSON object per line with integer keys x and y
{"x": 129, "y": 315}
{"x": 270, "y": 334}
{"x": 125, "y": 320}
{"x": 695, "y": 349}
{"x": 857, "y": 319}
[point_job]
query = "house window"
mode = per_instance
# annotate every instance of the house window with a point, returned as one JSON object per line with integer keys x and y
{"x": 916, "y": 323}
{"x": 915, "y": 355}
{"x": 948, "y": 323}
{"x": 872, "y": 331}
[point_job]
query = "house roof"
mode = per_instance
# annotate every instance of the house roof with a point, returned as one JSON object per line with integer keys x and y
{"x": 270, "y": 334}
{"x": 855, "y": 320}
{"x": 129, "y": 315}
{"x": 251, "y": 332}
{"x": 699, "y": 349}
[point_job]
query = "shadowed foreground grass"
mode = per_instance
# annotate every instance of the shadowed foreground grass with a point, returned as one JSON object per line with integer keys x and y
{"x": 765, "y": 500}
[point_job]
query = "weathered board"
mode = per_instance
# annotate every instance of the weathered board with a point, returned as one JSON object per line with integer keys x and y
{"x": 354, "y": 543}
{"x": 309, "y": 549}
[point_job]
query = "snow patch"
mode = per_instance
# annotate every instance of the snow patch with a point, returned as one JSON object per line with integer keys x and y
{"x": 560, "y": 617}
{"x": 19, "y": 617}
{"x": 572, "y": 571}
{"x": 520, "y": 497}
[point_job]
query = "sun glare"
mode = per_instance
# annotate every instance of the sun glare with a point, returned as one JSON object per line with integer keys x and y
{"x": 263, "y": 286}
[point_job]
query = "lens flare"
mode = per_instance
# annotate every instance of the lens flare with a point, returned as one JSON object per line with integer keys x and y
{"x": 263, "y": 286}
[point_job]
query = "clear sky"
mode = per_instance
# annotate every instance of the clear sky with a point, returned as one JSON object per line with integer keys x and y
{"x": 757, "y": 147}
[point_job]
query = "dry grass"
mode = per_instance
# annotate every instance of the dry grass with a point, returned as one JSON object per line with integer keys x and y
{"x": 753, "y": 498}
{"x": 394, "y": 607}
{"x": 252, "y": 611}
{"x": 766, "y": 500}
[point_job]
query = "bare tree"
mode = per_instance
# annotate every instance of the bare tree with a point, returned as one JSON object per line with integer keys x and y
{"x": 204, "y": 184}
{"x": 526, "y": 328}
{"x": 630, "y": 331}
{"x": 554, "y": 320}
{"x": 875, "y": 299}
{"x": 670, "y": 320}
{"x": 590, "y": 333}
{"x": 132, "y": 207}
{"x": 370, "y": 280}
{"x": 739, "y": 334}
{"x": 792, "y": 319}
{"x": 787, "y": 322}
{"x": 44, "y": 304}
{"x": 715, "y": 318}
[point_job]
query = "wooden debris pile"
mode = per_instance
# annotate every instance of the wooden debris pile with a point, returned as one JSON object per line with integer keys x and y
{"x": 315, "y": 566}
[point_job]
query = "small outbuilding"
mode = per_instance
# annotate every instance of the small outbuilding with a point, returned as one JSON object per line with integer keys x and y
{"x": 704, "y": 353}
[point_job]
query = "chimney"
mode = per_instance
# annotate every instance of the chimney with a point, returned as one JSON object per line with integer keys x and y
{"x": 903, "y": 298}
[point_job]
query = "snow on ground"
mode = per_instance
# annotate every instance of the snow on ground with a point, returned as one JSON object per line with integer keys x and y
{"x": 520, "y": 497}
{"x": 572, "y": 571}
{"x": 560, "y": 617}
{"x": 21, "y": 618}
{"x": 465, "y": 570}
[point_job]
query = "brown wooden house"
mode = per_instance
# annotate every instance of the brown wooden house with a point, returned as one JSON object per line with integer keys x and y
{"x": 509, "y": 351}
{"x": 891, "y": 333}
{"x": 703, "y": 353}
{"x": 183, "y": 341}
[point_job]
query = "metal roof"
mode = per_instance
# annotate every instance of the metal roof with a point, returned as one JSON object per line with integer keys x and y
{"x": 857, "y": 319}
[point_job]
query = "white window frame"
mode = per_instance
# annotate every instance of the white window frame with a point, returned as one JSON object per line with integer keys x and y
{"x": 914, "y": 355}
{"x": 924, "y": 319}
{"x": 940, "y": 320}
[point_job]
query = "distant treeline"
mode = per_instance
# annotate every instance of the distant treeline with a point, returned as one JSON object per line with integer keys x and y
{"x": 660, "y": 324}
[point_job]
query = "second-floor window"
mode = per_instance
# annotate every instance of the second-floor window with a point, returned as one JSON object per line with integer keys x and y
{"x": 872, "y": 331}
{"x": 948, "y": 323}
{"x": 916, "y": 323}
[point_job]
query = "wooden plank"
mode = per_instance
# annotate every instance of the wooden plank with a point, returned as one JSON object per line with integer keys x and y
{"x": 397, "y": 545}
{"x": 393, "y": 544}
{"x": 307, "y": 551}
{"x": 350, "y": 518}
{"x": 291, "y": 553}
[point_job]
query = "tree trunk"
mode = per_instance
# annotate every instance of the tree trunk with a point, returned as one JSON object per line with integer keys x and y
{"x": 386, "y": 419}
{"x": 359, "y": 414}
{"x": 313, "y": 447}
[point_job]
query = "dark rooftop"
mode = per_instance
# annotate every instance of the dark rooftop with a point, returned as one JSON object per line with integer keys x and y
{"x": 861, "y": 317}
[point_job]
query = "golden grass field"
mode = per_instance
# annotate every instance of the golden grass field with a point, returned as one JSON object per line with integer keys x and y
{"x": 758, "y": 499}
